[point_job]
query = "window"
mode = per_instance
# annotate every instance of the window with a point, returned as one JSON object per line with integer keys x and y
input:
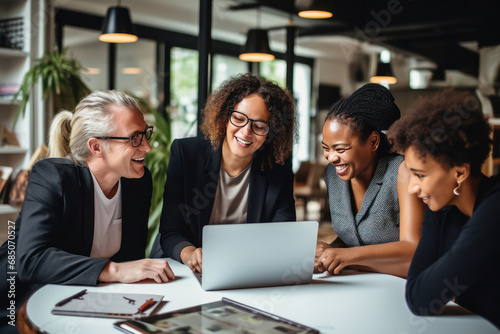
{"x": 136, "y": 70}
{"x": 276, "y": 71}
{"x": 302, "y": 95}
{"x": 84, "y": 45}
{"x": 184, "y": 92}
{"x": 225, "y": 67}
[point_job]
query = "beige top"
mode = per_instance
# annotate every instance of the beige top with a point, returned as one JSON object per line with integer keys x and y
{"x": 231, "y": 198}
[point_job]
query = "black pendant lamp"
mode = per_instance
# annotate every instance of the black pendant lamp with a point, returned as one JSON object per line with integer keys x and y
{"x": 256, "y": 48}
{"x": 314, "y": 9}
{"x": 384, "y": 74}
{"x": 438, "y": 74}
{"x": 117, "y": 27}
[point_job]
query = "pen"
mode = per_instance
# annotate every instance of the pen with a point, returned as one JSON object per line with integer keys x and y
{"x": 76, "y": 295}
{"x": 144, "y": 306}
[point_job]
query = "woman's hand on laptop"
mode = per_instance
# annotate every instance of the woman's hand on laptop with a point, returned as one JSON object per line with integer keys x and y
{"x": 192, "y": 257}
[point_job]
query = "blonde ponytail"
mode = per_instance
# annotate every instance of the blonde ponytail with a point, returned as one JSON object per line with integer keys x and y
{"x": 59, "y": 134}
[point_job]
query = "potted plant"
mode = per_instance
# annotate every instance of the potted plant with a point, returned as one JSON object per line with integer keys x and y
{"x": 157, "y": 162}
{"x": 60, "y": 78}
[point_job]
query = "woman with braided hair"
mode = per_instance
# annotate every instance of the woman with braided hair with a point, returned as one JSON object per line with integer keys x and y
{"x": 378, "y": 223}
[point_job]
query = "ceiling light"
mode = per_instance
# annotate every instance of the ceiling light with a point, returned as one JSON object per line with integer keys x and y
{"x": 384, "y": 74}
{"x": 117, "y": 27}
{"x": 256, "y": 48}
{"x": 314, "y": 9}
{"x": 131, "y": 70}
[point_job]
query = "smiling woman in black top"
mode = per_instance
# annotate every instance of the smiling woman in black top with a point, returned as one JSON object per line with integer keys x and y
{"x": 446, "y": 139}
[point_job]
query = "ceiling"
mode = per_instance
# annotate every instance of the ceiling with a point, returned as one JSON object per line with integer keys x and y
{"x": 444, "y": 33}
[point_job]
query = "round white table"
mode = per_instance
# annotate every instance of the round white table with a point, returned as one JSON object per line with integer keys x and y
{"x": 353, "y": 302}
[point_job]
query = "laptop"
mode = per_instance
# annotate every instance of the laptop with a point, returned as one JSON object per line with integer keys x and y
{"x": 256, "y": 255}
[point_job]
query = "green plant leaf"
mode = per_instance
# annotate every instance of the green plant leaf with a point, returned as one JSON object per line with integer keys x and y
{"x": 60, "y": 78}
{"x": 157, "y": 163}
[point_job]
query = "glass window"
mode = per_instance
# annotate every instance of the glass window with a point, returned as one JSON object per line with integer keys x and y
{"x": 276, "y": 71}
{"x": 84, "y": 46}
{"x": 302, "y": 95}
{"x": 136, "y": 70}
{"x": 225, "y": 67}
{"x": 184, "y": 92}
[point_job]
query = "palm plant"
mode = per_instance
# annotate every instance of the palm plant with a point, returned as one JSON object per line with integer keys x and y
{"x": 60, "y": 79}
{"x": 157, "y": 162}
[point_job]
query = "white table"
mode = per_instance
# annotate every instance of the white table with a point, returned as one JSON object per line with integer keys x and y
{"x": 353, "y": 302}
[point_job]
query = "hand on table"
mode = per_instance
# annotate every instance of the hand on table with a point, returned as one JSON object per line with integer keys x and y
{"x": 332, "y": 259}
{"x": 192, "y": 257}
{"x": 134, "y": 271}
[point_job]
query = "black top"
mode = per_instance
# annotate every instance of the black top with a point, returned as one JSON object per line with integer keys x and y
{"x": 192, "y": 179}
{"x": 55, "y": 228}
{"x": 54, "y": 231}
{"x": 458, "y": 257}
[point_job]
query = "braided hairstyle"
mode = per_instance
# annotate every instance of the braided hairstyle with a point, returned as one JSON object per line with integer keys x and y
{"x": 370, "y": 108}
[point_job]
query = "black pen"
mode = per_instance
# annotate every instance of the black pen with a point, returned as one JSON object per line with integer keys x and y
{"x": 76, "y": 295}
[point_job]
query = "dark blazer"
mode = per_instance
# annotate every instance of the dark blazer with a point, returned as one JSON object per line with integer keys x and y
{"x": 55, "y": 227}
{"x": 192, "y": 178}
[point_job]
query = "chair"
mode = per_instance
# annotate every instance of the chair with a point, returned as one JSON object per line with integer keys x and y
{"x": 308, "y": 186}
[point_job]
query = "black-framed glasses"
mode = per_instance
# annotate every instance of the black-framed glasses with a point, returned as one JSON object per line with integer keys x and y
{"x": 239, "y": 119}
{"x": 135, "y": 140}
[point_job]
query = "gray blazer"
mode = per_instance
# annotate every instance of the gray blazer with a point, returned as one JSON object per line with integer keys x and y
{"x": 378, "y": 219}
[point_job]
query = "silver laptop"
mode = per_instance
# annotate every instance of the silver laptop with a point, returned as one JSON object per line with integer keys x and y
{"x": 255, "y": 255}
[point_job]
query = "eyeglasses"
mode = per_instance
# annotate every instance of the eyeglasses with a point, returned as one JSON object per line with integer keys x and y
{"x": 239, "y": 119}
{"x": 135, "y": 140}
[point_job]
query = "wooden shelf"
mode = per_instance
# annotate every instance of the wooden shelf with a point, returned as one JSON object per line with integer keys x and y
{"x": 6, "y": 209}
{"x": 8, "y": 102}
{"x": 6, "y": 52}
{"x": 12, "y": 150}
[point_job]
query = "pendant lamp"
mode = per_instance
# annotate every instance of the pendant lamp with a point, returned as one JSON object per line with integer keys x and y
{"x": 314, "y": 9}
{"x": 117, "y": 27}
{"x": 256, "y": 48}
{"x": 438, "y": 74}
{"x": 384, "y": 74}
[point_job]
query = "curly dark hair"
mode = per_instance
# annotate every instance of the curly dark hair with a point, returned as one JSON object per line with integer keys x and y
{"x": 448, "y": 126}
{"x": 278, "y": 145}
{"x": 370, "y": 108}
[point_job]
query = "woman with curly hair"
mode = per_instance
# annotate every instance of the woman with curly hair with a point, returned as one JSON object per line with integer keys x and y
{"x": 376, "y": 221}
{"x": 446, "y": 139}
{"x": 238, "y": 173}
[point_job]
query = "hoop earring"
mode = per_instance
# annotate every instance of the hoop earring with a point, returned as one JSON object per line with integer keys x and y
{"x": 455, "y": 191}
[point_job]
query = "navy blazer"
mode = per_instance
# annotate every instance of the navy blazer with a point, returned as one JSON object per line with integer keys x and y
{"x": 55, "y": 228}
{"x": 192, "y": 179}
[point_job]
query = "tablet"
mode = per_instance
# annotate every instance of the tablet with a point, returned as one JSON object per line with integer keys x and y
{"x": 224, "y": 316}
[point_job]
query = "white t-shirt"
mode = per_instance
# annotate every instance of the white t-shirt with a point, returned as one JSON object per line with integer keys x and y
{"x": 107, "y": 223}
